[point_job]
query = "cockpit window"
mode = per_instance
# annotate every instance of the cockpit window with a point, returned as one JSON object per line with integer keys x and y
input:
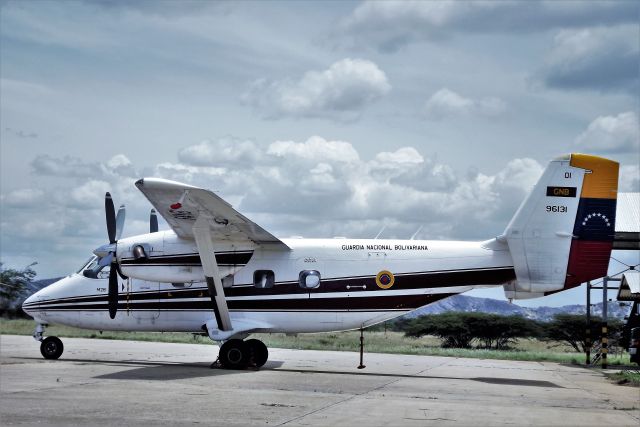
{"x": 86, "y": 263}
{"x": 94, "y": 270}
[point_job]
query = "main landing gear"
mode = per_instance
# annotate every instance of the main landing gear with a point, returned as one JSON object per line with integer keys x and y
{"x": 239, "y": 354}
{"x": 50, "y": 347}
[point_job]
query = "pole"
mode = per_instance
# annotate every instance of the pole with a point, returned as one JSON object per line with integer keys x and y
{"x": 361, "y": 349}
{"x": 587, "y": 340}
{"x": 604, "y": 348}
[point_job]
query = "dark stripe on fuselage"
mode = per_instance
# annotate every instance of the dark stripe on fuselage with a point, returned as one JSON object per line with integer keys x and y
{"x": 404, "y": 281}
{"x": 407, "y": 281}
{"x": 226, "y": 258}
{"x": 388, "y": 302}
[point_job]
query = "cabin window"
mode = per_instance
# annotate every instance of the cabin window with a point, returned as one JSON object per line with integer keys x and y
{"x": 309, "y": 279}
{"x": 264, "y": 279}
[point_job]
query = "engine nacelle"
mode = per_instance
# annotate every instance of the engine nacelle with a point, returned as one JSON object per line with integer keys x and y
{"x": 165, "y": 257}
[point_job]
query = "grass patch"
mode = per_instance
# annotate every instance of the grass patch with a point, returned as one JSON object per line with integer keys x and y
{"x": 631, "y": 378}
{"x": 26, "y": 327}
{"x": 375, "y": 342}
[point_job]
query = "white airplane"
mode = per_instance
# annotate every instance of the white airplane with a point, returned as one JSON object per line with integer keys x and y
{"x": 219, "y": 273}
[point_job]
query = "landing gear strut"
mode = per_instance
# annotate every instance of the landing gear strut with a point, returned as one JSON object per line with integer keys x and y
{"x": 50, "y": 347}
{"x": 239, "y": 354}
{"x": 39, "y": 332}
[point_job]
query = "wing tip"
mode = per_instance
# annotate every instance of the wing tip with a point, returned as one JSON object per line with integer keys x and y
{"x": 152, "y": 183}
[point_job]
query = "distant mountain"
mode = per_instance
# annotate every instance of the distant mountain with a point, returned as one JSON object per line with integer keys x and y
{"x": 488, "y": 305}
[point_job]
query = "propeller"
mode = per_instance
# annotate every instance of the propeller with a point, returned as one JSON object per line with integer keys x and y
{"x": 120, "y": 222}
{"x": 107, "y": 253}
{"x": 153, "y": 221}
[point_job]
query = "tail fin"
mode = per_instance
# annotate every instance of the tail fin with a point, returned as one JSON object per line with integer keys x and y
{"x": 563, "y": 232}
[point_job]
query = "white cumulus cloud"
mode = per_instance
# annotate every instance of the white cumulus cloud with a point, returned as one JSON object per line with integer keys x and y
{"x": 445, "y": 103}
{"x": 90, "y": 194}
{"x": 389, "y": 25}
{"x": 23, "y": 198}
{"x": 601, "y": 59}
{"x": 340, "y": 92}
{"x": 612, "y": 134}
{"x": 322, "y": 187}
{"x": 629, "y": 178}
{"x": 227, "y": 151}
{"x": 315, "y": 148}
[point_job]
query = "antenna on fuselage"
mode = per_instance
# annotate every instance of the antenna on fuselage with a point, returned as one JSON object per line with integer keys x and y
{"x": 416, "y": 233}
{"x": 380, "y": 232}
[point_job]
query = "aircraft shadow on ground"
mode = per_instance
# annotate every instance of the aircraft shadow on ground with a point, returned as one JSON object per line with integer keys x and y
{"x": 488, "y": 380}
{"x": 149, "y": 370}
{"x": 174, "y": 371}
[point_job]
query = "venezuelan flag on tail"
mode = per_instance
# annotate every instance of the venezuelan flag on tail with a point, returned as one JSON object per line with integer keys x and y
{"x": 562, "y": 234}
{"x": 594, "y": 228}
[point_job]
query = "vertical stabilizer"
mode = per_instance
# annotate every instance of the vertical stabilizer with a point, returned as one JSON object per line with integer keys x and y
{"x": 562, "y": 234}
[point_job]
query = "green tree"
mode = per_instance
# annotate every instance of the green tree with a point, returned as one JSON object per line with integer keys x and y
{"x": 13, "y": 286}
{"x": 499, "y": 332}
{"x": 572, "y": 329}
{"x": 451, "y": 328}
{"x": 461, "y": 330}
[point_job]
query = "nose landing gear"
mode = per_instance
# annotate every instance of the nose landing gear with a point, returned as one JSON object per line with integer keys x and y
{"x": 51, "y": 347}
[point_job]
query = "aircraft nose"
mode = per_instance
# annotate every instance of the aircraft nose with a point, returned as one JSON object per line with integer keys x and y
{"x": 28, "y": 304}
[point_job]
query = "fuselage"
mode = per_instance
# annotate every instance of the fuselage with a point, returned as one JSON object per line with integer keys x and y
{"x": 361, "y": 282}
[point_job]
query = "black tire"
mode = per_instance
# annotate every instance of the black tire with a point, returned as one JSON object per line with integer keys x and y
{"x": 234, "y": 354}
{"x": 258, "y": 351}
{"x": 51, "y": 348}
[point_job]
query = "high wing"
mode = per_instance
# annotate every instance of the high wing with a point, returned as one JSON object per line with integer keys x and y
{"x": 199, "y": 214}
{"x": 181, "y": 205}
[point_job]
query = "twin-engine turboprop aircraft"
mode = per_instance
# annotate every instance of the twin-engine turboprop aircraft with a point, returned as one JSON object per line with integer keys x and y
{"x": 219, "y": 273}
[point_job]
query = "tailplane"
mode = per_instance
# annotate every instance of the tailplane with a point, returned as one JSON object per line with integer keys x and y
{"x": 562, "y": 234}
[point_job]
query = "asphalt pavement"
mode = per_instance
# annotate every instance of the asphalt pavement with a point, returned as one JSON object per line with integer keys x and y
{"x": 116, "y": 383}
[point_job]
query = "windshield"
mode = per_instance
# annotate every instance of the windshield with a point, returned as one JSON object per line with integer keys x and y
{"x": 93, "y": 270}
{"x": 85, "y": 264}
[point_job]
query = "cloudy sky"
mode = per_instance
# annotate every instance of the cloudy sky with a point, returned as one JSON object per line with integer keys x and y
{"x": 317, "y": 119}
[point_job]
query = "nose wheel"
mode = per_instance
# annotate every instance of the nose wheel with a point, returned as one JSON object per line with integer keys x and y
{"x": 239, "y": 354}
{"x": 51, "y": 348}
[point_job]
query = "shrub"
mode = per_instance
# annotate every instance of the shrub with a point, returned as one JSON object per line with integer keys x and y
{"x": 461, "y": 330}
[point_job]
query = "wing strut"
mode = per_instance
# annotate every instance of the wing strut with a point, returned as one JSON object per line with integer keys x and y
{"x": 202, "y": 234}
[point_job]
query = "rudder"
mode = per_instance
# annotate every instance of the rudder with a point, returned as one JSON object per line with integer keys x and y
{"x": 594, "y": 228}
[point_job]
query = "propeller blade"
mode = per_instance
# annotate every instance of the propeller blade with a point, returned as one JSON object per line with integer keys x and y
{"x": 106, "y": 260}
{"x": 110, "y": 212}
{"x": 113, "y": 291}
{"x": 153, "y": 221}
{"x": 120, "y": 221}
